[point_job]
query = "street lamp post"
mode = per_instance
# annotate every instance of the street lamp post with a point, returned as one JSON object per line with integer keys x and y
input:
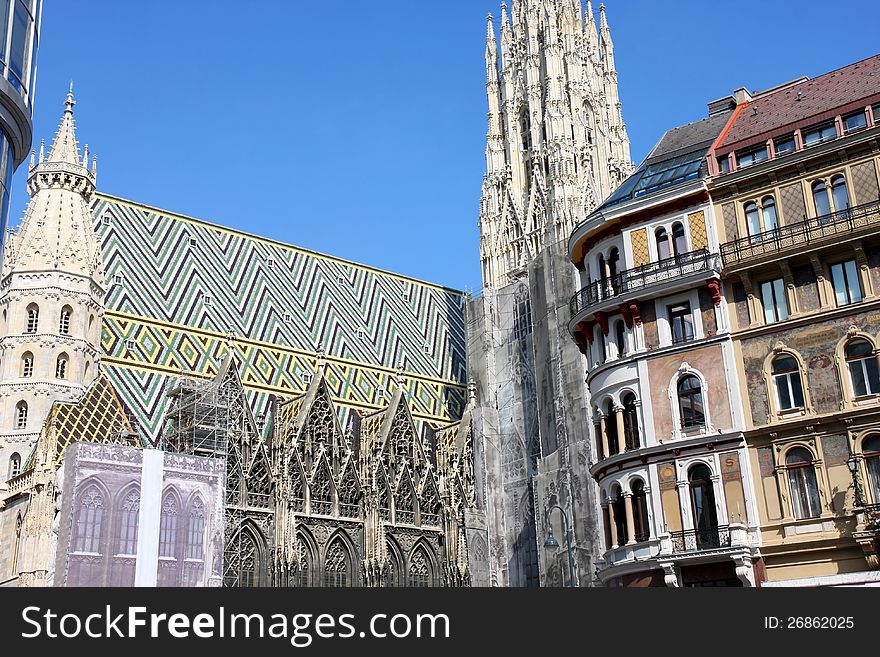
{"x": 853, "y": 464}
{"x": 551, "y": 542}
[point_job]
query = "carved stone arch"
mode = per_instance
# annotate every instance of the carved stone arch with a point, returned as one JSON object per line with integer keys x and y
{"x": 321, "y": 487}
{"x": 395, "y": 573}
{"x": 338, "y": 563}
{"x": 780, "y": 350}
{"x": 304, "y": 569}
{"x": 246, "y": 562}
{"x": 422, "y": 565}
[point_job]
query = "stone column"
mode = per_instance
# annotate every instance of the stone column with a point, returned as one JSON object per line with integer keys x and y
{"x": 612, "y": 524}
{"x": 630, "y": 524}
{"x": 618, "y": 415}
{"x": 604, "y": 432}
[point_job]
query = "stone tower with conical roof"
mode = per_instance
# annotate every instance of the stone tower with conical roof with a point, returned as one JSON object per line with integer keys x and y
{"x": 51, "y": 295}
{"x": 556, "y": 146}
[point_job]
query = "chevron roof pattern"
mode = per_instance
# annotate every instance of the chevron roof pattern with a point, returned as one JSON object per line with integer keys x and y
{"x": 180, "y": 289}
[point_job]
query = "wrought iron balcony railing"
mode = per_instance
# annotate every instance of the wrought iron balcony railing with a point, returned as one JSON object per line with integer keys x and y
{"x": 640, "y": 278}
{"x": 706, "y": 538}
{"x": 804, "y": 235}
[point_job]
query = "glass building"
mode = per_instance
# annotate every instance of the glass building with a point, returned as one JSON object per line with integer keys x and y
{"x": 19, "y": 39}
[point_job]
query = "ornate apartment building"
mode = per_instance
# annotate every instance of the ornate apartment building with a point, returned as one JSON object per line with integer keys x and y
{"x": 795, "y": 190}
{"x": 652, "y": 322}
{"x": 556, "y": 146}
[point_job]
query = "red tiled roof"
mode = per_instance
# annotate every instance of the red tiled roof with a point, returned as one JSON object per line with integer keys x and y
{"x": 822, "y": 97}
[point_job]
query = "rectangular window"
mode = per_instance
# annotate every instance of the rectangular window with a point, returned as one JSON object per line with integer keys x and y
{"x": 774, "y": 301}
{"x": 855, "y": 122}
{"x": 751, "y": 157}
{"x": 681, "y": 322}
{"x": 845, "y": 278}
{"x": 724, "y": 164}
{"x": 783, "y": 145}
{"x": 820, "y": 133}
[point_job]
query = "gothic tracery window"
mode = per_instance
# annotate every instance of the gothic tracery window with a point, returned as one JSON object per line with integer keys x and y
{"x": 196, "y": 535}
{"x": 421, "y": 573}
{"x": 337, "y": 569}
{"x": 128, "y": 525}
{"x": 89, "y": 521}
{"x": 168, "y": 526}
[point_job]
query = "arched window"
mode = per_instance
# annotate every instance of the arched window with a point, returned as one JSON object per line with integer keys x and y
{"x": 613, "y": 267}
{"x": 64, "y": 322}
{"x": 195, "y": 540}
{"x": 620, "y": 338}
{"x": 619, "y": 504}
{"x": 820, "y": 199}
{"x": 421, "y": 572}
{"x": 690, "y": 402}
{"x": 768, "y": 213}
{"x": 91, "y": 321}
{"x": 525, "y": 128}
{"x": 168, "y": 526}
{"x": 679, "y": 241}
{"x": 14, "y": 465}
{"x": 86, "y": 371}
{"x": 862, "y": 365}
{"x": 603, "y": 352}
{"x": 61, "y": 367}
{"x": 128, "y": 524}
{"x": 33, "y": 318}
{"x": 88, "y": 524}
{"x": 249, "y": 560}
{"x": 662, "y": 238}
{"x": 337, "y": 568}
{"x": 753, "y": 220}
{"x": 21, "y": 414}
{"x": 611, "y": 427}
{"x": 703, "y": 510}
{"x": 395, "y": 566}
{"x": 27, "y": 365}
{"x": 640, "y": 511}
{"x": 787, "y": 381}
{"x": 802, "y": 481}
{"x": 630, "y": 422}
{"x": 871, "y": 452}
{"x": 305, "y": 563}
{"x": 839, "y": 194}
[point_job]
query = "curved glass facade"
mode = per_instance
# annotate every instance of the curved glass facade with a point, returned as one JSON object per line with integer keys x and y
{"x": 19, "y": 40}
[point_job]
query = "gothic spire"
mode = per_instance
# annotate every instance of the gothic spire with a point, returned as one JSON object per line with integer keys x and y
{"x": 64, "y": 148}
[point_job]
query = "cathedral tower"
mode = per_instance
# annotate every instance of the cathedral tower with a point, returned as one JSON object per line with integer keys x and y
{"x": 51, "y": 296}
{"x": 556, "y": 147}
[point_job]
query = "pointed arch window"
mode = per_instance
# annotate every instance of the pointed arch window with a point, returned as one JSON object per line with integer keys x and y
{"x": 303, "y": 575}
{"x": 871, "y": 453}
{"x": 128, "y": 525}
{"x": 640, "y": 511}
{"x": 786, "y": 375}
{"x": 33, "y": 318}
{"x": 421, "y": 571}
{"x": 196, "y": 535}
{"x": 337, "y": 566}
{"x": 802, "y": 481}
{"x": 249, "y": 565}
{"x": 14, "y": 465}
{"x": 27, "y": 365}
{"x": 21, "y": 415}
{"x": 64, "y": 322}
{"x": 862, "y": 365}
{"x": 168, "y": 526}
{"x": 690, "y": 402}
{"x": 61, "y": 366}
{"x": 89, "y": 521}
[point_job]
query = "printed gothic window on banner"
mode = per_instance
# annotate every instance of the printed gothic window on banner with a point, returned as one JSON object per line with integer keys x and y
{"x": 128, "y": 526}
{"x": 336, "y": 568}
{"x": 871, "y": 452}
{"x": 196, "y": 536}
{"x": 802, "y": 480}
{"x": 863, "y": 371}
{"x": 168, "y": 527}
{"x": 787, "y": 379}
{"x": 88, "y": 525}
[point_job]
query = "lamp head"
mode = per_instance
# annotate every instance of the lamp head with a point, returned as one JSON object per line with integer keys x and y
{"x": 852, "y": 463}
{"x": 551, "y": 542}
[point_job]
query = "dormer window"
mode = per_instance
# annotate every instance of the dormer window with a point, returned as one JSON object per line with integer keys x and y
{"x": 784, "y": 145}
{"x": 819, "y": 134}
{"x": 748, "y": 158}
{"x": 855, "y": 122}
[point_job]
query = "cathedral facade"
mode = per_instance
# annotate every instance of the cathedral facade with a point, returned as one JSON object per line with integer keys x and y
{"x": 334, "y": 391}
{"x": 556, "y": 147}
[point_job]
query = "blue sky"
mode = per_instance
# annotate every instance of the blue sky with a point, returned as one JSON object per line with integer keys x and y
{"x": 358, "y": 128}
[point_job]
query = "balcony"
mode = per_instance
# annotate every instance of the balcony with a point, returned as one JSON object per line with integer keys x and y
{"x": 606, "y": 293}
{"x": 852, "y": 223}
{"x": 707, "y": 538}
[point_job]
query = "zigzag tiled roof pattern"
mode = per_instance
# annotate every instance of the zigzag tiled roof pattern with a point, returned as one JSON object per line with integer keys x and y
{"x": 181, "y": 289}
